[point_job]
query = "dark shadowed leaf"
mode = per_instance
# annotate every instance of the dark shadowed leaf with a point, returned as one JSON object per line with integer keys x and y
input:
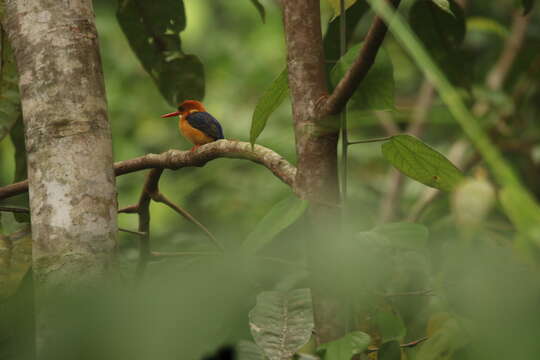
{"x": 527, "y": 6}
{"x": 390, "y": 326}
{"x": 153, "y": 31}
{"x": 281, "y": 322}
{"x": 17, "y": 139}
{"x": 404, "y": 235}
{"x": 389, "y": 351}
{"x": 10, "y": 106}
{"x": 420, "y": 162}
{"x": 268, "y": 103}
{"x": 247, "y": 350}
{"x": 331, "y": 37}
{"x": 283, "y": 214}
{"x": 337, "y": 7}
{"x": 346, "y": 347}
{"x": 376, "y": 91}
{"x": 260, "y": 9}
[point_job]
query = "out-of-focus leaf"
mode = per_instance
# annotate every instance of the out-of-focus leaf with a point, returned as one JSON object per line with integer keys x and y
{"x": 10, "y": 103}
{"x": 391, "y": 327}
{"x": 332, "y": 35}
{"x": 527, "y": 6}
{"x": 404, "y": 235}
{"x": 283, "y": 214}
{"x": 268, "y": 103}
{"x": 15, "y": 260}
{"x": 337, "y": 7}
{"x": 443, "y": 343}
{"x": 260, "y": 9}
{"x": 282, "y": 322}
{"x": 422, "y": 163}
{"x": 344, "y": 348}
{"x": 247, "y": 350}
{"x": 471, "y": 202}
{"x": 478, "y": 23}
{"x": 376, "y": 91}
{"x": 441, "y": 27}
{"x": 153, "y": 33}
{"x": 389, "y": 351}
{"x": 523, "y": 211}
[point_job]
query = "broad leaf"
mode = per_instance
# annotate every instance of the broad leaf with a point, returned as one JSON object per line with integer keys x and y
{"x": 346, "y": 347}
{"x": 260, "y": 9}
{"x": 10, "y": 104}
{"x": 268, "y": 103}
{"x": 337, "y": 6}
{"x": 153, "y": 33}
{"x": 247, "y": 350}
{"x": 527, "y": 6}
{"x": 281, "y": 216}
{"x": 422, "y": 163}
{"x": 389, "y": 351}
{"x": 282, "y": 322}
{"x": 391, "y": 327}
{"x": 404, "y": 235}
{"x": 332, "y": 35}
{"x": 376, "y": 91}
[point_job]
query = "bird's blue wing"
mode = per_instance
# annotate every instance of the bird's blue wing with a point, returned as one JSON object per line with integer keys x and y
{"x": 206, "y": 123}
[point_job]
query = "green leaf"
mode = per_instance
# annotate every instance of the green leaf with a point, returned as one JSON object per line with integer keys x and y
{"x": 389, "y": 351}
{"x": 332, "y": 35}
{"x": 523, "y": 211}
{"x": 527, "y": 6}
{"x": 281, "y": 322}
{"x": 353, "y": 343}
{"x": 268, "y": 103}
{"x": 10, "y": 103}
{"x": 153, "y": 32}
{"x": 443, "y": 343}
{"x": 283, "y": 214}
{"x": 478, "y": 23}
{"x": 260, "y": 9}
{"x": 404, "y": 235}
{"x": 390, "y": 326}
{"x": 376, "y": 91}
{"x": 247, "y": 350}
{"x": 422, "y": 163}
{"x": 337, "y": 7}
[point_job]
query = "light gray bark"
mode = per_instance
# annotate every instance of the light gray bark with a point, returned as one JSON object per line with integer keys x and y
{"x": 68, "y": 141}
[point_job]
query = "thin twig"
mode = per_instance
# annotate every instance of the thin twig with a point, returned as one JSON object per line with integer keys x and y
{"x": 426, "y": 292}
{"x": 386, "y": 138}
{"x": 133, "y": 232}
{"x": 336, "y": 102}
{"x": 132, "y": 209}
{"x": 14, "y": 209}
{"x": 157, "y": 254}
{"x": 407, "y": 345}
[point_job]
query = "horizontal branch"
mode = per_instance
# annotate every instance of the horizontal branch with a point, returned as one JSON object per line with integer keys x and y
{"x": 176, "y": 159}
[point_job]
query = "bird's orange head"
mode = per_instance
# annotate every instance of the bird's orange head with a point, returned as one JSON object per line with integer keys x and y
{"x": 186, "y": 108}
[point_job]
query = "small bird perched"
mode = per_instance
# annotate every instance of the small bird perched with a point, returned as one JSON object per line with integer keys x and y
{"x": 198, "y": 126}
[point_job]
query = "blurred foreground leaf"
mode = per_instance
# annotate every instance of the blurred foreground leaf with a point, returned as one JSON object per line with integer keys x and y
{"x": 404, "y": 235}
{"x": 523, "y": 211}
{"x": 422, "y": 163}
{"x": 268, "y": 103}
{"x": 389, "y": 351}
{"x": 391, "y": 326}
{"x": 282, "y": 322}
{"x": 376, "y": 91}
{"x": 281, "y": 216}
{"x": 344, "y": 348}
{"x": 153, "y": 31}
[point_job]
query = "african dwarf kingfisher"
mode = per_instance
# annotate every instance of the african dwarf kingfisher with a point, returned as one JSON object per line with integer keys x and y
{"x": 198, "y": 126}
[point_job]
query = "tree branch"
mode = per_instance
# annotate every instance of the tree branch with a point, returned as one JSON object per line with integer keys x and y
{"x": 176, "y": 159}
{"x": 358, "y": 71}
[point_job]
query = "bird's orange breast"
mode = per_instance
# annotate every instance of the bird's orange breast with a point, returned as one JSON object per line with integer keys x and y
{"x": 195, "y": 136}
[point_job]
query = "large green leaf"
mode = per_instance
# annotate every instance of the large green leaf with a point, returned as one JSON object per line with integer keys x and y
{"x": 283, "y": 214}
{"x": 268, "y": 103}
{"x": 281, "y": 322}
{"x": 389, "y": 351}
{"x": 153, "y": 31}
{"x": 420, "y": 162}
{"x": 10, "y": 104}
{"x": 376, "y": 91}
{"x": 353, "y": 343}
{"x": 337, "y": 6}
{"x": 391, "y": 327}
{"x": 404, "y": 235}
{"x": 260, "y": 9}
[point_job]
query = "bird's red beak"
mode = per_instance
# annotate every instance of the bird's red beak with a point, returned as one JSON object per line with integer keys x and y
{"x": 176, "y": 113}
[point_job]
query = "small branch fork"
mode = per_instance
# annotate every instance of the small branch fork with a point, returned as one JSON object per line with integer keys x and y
{"x": 407, "y": 345}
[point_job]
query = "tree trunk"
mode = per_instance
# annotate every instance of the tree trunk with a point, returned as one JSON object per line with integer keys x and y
{"x": 68, "y": 143}
{"x": 316, "y": 148}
